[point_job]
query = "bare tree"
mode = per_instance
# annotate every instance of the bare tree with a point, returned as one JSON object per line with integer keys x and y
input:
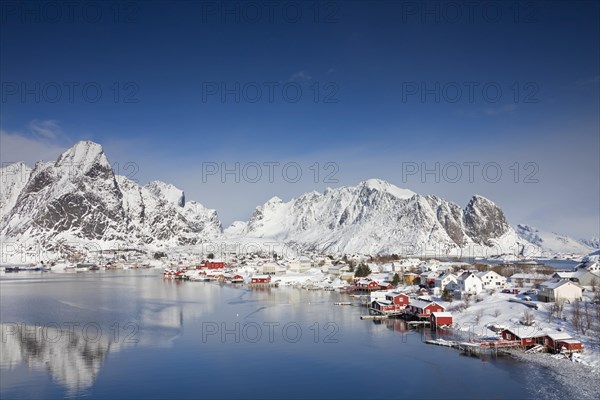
{"x": 597, "y": 324}
{"x": 527, "y": 318}
{"x": 560, "y": 307}
{"x": 586, "y": 322}
{"x": 556, "y": 309}
{"x": 467, "y": 298}
{"x": 576, "y": 316}
{"x": 497, "y": 312}
{"x": 478, "y": 316}
{"x": 551, "y": 312}
{"x": 594, "y": 284}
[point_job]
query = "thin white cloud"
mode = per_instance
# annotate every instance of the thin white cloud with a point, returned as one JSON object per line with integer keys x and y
{"x": 300, "y": 76}
{"x": 41, "y": 140}
{"x": 48, "y": 129}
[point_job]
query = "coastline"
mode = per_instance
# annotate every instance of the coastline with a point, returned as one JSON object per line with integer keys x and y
{"x": 583, "y": 381}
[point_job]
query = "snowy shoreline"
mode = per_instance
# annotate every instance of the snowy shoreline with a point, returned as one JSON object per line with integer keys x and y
{"x": 582, "y": 380}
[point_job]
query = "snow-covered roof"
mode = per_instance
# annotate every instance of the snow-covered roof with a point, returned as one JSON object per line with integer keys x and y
{"x": 556, "y": 335}
{"x": 527, "y": 333}
{"x": 394, "y": 294}
{"x": 553, "y": 284}
{"x": 484, "y": 273}
{"x": 261, "y": 276}
{"x": 528, "y": 276}
{"x": 581, "y": 272}
{"x": 564, "y": 274}
{"x": 439, "y": 314}
{"x": 446, "y": 275}
{"x": 420, "y": 303}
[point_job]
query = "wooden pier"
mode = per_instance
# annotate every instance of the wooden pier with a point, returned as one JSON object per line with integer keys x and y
{"x": 476, "y": 348}
{"x": 418, "y": 323}
{"x": 374, "y": 317}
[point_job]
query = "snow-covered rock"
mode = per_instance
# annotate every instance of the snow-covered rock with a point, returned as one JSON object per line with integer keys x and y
{"x": 551, "y": 243}
{"x": 79, "y": 197}
{"x": 378, "y": 217}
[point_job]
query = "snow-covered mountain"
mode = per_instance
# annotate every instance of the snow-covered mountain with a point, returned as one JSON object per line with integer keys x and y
{"x": 594, "y": 242}
{"x": 378, "y": 217}
{"x": 79, "y": 197}
{"x": 12, "y": 180}
{"x": 551, "y": 243}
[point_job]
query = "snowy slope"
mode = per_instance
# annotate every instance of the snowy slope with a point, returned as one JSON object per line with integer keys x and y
{"x": 378, "y": 217}
{"x": 12, "y": 180}
{"x": 79, "y": 197}
{"x": 552, "y": 243}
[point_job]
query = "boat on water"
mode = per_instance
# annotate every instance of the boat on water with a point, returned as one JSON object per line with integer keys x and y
{"x": 26, "y": 268}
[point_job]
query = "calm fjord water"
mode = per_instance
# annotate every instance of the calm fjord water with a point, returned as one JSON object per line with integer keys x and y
{"x": 132, "y": 334}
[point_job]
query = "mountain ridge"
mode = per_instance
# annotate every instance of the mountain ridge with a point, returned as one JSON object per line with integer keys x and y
{"x": 80, "y": 197}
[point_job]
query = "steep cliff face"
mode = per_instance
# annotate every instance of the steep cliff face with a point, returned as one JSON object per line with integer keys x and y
{"x": 484, "y": 221}
{"x": 377, "y": 217}
{"x": 79, "y": 196}
{"x": 550, "y": 243}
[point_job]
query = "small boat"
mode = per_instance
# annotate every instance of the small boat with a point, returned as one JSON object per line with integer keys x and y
{"x": 11, "y": 269}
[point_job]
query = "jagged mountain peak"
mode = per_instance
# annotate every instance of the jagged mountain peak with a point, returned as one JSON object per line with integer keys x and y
{"x": 13, "y": 179}
{"x": 83, "y": 154}
{"x": 274, "y": 200}
{"x": 167, "y": 192}
{"x": 384, "y": 186}
{"x": 479, "y": 199}
{"x": 79, "y": 197}
{"x": 376, "y": 217}
{"x": 10, "y": 169}
{"x": 551, "y": 242}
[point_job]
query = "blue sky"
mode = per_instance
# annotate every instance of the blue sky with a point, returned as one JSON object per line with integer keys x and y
{"x": 393, "y": 80}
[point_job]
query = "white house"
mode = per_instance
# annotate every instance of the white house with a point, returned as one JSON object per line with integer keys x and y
{"x": 468, "y": 282}
{"x": 559, "y": 289}
{"x": 270, "y": 268}
{"x": 444, "y": 280}
{"x": 581, "y": 276}
{"x": 406, "y": 264}
{"x": 302, "y": 264}
{"x": 325, "y": 267}
{"x": 492, "y": 280}
{"x": 593, "y": 267}
{"x": 338, "y": 269}
{"x": 374, "y": 267}
{"x": 428, "y": 278}
{"x": 429, "y": 265}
